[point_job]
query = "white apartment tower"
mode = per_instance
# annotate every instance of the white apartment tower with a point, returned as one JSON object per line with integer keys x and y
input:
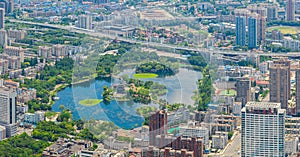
{"x": 263, "y": 129}
{"x": 8, "y": 106}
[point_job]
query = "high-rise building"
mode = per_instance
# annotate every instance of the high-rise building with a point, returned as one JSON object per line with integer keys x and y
{"x": 243, "y": 87}
{"x": 59, "y": 50}
{"x": 3, "y": 38}
{"x": 280, "y": 84}
{"x": 261, "y": 28}
{"x": 15, "y": 51}
{"x": 2, "y": 20}
{"x": 157, "y": 125}
{"x": 240, "y": 25}
{"x": 16, "y": 34}
{"x": 290, "y": 10}
{"x": 45, "y": 52}
{"x": 8, "y": 106}
{"x": 8, "y": 5}
{"x": 298, "y": 91}
{"x": 272, "y": 13}
{"x": 11, "y": 6}
{"x": 85, "y": 21}
{"x": 2, "y": 5}
{"x": 252, "y": 32}
{"x": 262, "y": 129}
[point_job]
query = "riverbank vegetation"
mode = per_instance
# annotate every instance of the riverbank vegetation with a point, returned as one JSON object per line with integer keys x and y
{"x": 46, "y": 81}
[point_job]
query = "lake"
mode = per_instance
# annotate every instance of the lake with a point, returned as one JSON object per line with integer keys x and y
{"x": 122, "y": 114}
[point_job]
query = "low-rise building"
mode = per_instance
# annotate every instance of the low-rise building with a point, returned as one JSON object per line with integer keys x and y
{"x": 66, "y": 147}
{"x": 2, "y": 133}
{"x": 291, "y": 144}
{"x": 34, "y": 118}
{"x": 195, "y": 131}
{"x": 219, "y": 140}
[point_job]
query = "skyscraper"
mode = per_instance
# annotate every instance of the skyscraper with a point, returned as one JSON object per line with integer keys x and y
{"x": 157, "y": 125}
{"x": 263, "y": 129}
{"x": 252, "y": 32}
{"x": 2, "y": 13}
{"x": 290, "y": 10}
{"x": 240, "y": 24}
{"x": 280, "y": 83}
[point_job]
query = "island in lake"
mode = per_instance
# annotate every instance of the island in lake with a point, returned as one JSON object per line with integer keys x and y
{"x": 138, "y": 91}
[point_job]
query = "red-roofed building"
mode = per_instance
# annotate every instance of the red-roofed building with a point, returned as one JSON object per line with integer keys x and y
{"x": 262, "y": 83}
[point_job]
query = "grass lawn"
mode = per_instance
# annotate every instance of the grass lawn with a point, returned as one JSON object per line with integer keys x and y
{"x": 145, "y": 75}
{"x": 285, "y": 29}
{"x": 230, "y": 92}
{"x": 90, "y": 102}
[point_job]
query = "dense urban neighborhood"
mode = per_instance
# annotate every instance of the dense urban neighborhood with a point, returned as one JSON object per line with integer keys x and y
{"x": 149, "y": 78}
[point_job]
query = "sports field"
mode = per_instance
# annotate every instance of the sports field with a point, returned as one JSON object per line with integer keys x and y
{"x": 285, "y": 29}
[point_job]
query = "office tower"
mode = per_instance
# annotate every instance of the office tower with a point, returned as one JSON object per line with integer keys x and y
{"x": 243, "y": 87}
{"x": 2, "y": 20}
{"x": 290, "y": 10}
{"x": 240, "y": 25}
{"x": 272, "y": 13}
{"x": 3, "y": 38}
{"x": 85, "y": 21}
{"x": 252, "y": 32}
{"x": 157, "y": 125}
{"x": 280, "y": 84}
{"x": 262, "y": 129}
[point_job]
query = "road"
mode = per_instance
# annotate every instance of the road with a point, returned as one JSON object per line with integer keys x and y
{"x": 154, "y": 44}
{"x": 99, "y": 34}
{"x": 234, "y": 147}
